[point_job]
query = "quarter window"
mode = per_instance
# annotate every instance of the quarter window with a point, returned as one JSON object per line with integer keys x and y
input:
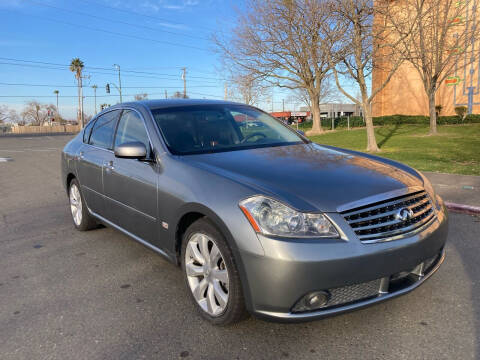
{"x": 88, "y": 131}
{"x": 131, "y": 129}
{"x": 102, "y": 132}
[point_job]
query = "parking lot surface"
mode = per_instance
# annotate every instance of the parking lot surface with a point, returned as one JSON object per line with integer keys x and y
{"x": 66, "y": 294}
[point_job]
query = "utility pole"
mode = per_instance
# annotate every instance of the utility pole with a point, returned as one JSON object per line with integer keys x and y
{"x": 94, "y": 87}
{"x": 56, "y": 92}
{"x": 166, "y": 96}
{"x": 226, "y": 92}
{"x": 116, "y": 66}
{"x": 80, "y": 89}
{"x": 283, "y": 105}
{"x": 184, "y": 77}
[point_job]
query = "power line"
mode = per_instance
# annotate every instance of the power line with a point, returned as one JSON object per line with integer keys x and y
{"x": 90, "y": 96}
{"x": 125, "y": 87}
{"x": 130, "y": 12}
{"x": 116, "y": 21}
{"x": 110, "y": 71}
{"x": 91, "y": 28}
{"x": 212, "y": 81}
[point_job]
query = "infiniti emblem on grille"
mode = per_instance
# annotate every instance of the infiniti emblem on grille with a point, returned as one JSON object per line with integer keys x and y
{"x": 404, "y": 214}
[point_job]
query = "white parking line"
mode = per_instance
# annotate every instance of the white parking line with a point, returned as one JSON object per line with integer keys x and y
{"x": 29, "y": 149}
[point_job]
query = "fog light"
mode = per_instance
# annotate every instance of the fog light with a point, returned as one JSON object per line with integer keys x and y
{"x": 312, "y": 301}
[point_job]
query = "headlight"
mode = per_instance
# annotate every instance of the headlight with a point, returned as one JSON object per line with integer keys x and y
{"x": 270, "y": 217}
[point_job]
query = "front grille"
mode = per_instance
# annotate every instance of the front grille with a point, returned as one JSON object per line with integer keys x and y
{"x": 380, "y": 221}
{"x": 360, "y": 292}
{"x": 347, "y": 294}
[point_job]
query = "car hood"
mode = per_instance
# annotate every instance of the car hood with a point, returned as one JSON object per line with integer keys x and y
{"x": 309, "y": 177}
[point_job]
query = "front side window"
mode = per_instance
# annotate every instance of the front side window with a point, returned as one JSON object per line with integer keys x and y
{"x": 131, "y": 129}
{"x": 102, "y": 132}
{"x": 215, "y": 128}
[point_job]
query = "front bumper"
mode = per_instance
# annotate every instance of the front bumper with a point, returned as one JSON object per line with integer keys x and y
{"x": 291, "y": 269}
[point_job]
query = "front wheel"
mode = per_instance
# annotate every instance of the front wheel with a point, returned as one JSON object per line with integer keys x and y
{"x": 81, "y": 217}
{"x": 211, "y": 274}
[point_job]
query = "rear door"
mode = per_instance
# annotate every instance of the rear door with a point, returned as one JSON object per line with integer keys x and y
{"x": 130, "y": 185}
{"x": 94, "y": 153}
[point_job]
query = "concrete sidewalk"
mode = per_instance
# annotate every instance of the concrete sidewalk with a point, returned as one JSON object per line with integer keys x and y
{"x": 459, "y": 189}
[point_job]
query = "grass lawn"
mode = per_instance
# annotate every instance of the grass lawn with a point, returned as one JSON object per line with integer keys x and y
{"x": 456, "y": 149}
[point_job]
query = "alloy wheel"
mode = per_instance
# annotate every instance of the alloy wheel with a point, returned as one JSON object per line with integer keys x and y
{"x": 76, "y": 204}
{"x": 207, "y": 274}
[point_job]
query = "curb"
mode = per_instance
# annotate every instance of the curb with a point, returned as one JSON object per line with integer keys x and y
{"x": 465, "y": 209}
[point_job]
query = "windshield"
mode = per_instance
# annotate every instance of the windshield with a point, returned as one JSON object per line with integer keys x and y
{"x": 215, "y": 128}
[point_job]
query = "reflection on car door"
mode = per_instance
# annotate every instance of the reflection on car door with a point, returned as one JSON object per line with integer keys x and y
{"x": 92, "y": 155}
{"x": 130, "y": 185}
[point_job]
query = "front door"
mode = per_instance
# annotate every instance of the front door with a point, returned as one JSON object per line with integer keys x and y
{"x": 130, "y": 185}
{"x": 97, "y": 148}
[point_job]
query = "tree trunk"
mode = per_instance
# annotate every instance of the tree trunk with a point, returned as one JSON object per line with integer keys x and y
{"x": 433, "y": 113}
{"x": 371, "y": 141}
{"x": 317, "y": 124}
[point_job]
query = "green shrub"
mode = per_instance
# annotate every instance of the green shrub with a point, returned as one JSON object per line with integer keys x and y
{"x": 461, "y": 111}
{"x": 420, "y": 119}
{"x": 357, "y": 121}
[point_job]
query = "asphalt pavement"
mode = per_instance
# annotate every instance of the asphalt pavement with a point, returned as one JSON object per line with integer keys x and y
{"x": 459, "y": 189}
{"x": 66, "y": 294}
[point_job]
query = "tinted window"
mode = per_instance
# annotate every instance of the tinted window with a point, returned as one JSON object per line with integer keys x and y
{"x": 131, "y": 128}
{"x": 212, "y": 128}
{"x": 102, "y": 133}
{"x": 87, "y": 131}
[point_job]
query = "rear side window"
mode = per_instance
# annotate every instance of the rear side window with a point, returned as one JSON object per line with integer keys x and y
{"x": 88, "y": 131}
{"x": 102, "y": 132}
{"x": 130, "y": 129}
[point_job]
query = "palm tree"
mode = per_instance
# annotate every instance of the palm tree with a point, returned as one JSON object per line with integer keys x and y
{"x": 76, "y": 66}
{"x": 56, "y": 92}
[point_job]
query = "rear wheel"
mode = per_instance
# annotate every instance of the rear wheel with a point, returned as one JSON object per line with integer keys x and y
{"x": 211, "y": 274}
{"x": 81, "y": 217}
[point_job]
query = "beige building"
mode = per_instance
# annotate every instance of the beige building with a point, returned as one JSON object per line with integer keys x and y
{"x": 405, "y": 94}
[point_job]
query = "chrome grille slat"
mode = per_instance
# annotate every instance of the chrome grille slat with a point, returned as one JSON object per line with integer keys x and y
{"x": 392, "y": 233}
{"x": 382, "y": 204}
{"x": 379, "y": 221}
{"x": 386, "y": 220}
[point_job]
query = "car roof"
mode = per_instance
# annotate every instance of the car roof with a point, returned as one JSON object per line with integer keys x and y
{"x": 169, "y": 103}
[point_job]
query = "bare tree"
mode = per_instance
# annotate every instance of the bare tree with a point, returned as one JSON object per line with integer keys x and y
{"x": 439, "y": 39}
{"x": 328, "y": 93}
{"x": 246, "y": 87}
{"x": 366, "y": 38}
{"x": 36, "y": 113}
{"x": 178, "y": 95}
{"x": 283, "y": 42}
{"x": 8, "y": 115}
{"x": 139, "y": 97}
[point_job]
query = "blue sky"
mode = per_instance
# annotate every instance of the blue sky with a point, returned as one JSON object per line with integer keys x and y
{"x": 150, "y": 39}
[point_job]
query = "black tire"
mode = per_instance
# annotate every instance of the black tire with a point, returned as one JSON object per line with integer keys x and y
{"x": 87, "y": 222}
{"x": 235, "y": 309}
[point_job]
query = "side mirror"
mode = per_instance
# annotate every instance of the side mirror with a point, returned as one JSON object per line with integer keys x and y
{"x": 131, "y": 150}
{"x": 301, "y": 132}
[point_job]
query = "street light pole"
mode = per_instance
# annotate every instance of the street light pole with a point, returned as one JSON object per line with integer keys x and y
{"x": 116, "y": 66}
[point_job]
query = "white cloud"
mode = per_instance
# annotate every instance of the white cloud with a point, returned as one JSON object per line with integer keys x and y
{"x": 10, "y": 3}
